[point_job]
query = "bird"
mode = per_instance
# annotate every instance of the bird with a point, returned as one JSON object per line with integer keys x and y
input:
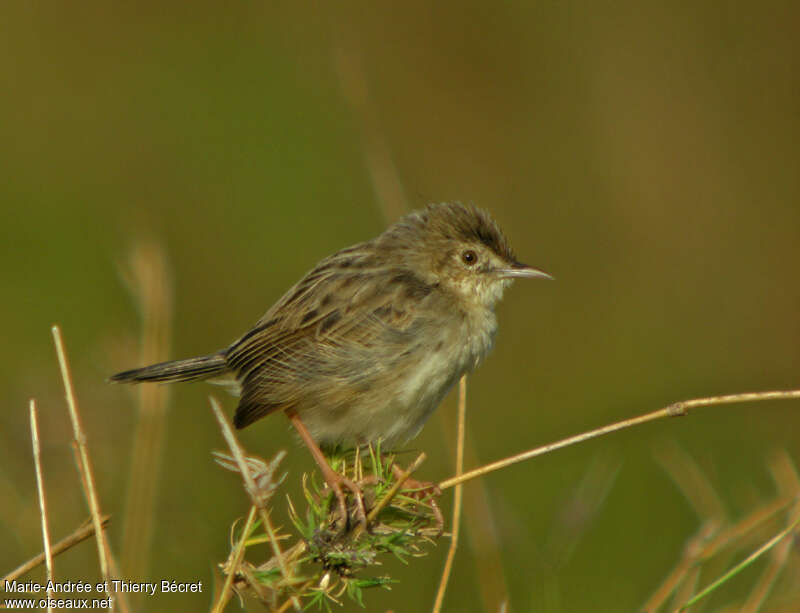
{"x": 366, "y": 345}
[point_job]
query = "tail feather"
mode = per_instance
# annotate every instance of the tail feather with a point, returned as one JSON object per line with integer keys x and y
{"x": 192, "y": 369}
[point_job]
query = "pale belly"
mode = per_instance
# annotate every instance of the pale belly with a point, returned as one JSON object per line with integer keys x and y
{"x": 395, "y": 412}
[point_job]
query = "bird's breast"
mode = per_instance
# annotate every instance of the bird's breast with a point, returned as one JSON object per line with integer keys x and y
{"x": 451, "y": 352}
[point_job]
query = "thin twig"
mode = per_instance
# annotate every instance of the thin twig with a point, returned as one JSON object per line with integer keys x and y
{"x": 252, "y": 491}
{"x": 85, "y": 465}
{"x": 457, "y": 495}
{"x": 83, "y": 532}
{"x": 236, "y": 558}
{"x": 673, "y": 410}
{"x": 37, "y": 461}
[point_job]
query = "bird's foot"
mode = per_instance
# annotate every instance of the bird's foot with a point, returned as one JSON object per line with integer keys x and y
{"x": 424, "y": 491}
{"x": 332, "y": 478}
{"x": 335, "y": 481}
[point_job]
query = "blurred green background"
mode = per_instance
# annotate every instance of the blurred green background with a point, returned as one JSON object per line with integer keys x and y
{"x": 645, "y": 154}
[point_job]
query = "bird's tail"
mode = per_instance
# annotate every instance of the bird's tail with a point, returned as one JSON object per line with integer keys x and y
{"x": 193, "y": 369}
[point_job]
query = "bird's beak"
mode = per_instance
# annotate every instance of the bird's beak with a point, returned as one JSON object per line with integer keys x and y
{"x": 518, "y": 270}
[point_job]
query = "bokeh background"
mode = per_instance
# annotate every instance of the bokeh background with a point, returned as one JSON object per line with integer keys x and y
{"x": 645, "y": 154}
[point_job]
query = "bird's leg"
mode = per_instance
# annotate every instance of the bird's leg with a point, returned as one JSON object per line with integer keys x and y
{"x": 332, "y": 478}
{"x": 425, "y": 490}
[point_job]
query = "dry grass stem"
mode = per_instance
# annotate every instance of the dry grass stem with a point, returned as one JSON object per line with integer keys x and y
{"x": 253, "y": 491}
{"x": 83, "y": 532}
{"x": 691, "y": 553}
{"x": 37, "y": 461}
{"x": 688, "y": 585}
{"x": 479, "y": 526}
{"x": 758, "y": 595}
{"x": 709, "y": 541}
{"x": 148, "y": 279}
{"x": 719, "y": 536}
{"x": 673, "y": 410}
{"x": 457, "y": 495}
{"x": 743, "y": 564}
{"x": 788, "y": 482}
{"x": 688, "y": 477}
{"x": 784, "y": 473}
{"x": 233, "y": 563}
{"x": 84, "y": 464}
{"x": 743, "y": 527}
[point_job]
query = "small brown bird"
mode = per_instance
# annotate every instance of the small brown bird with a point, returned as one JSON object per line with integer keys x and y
{"x": 366, "y": 345}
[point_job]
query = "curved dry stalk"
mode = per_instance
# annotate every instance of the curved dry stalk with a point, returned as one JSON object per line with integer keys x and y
{"x": 457, "y": 495}
{"x": 673, "y": 410}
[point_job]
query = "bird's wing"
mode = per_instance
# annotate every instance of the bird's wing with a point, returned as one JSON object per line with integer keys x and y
{"x": 328, "y": 337}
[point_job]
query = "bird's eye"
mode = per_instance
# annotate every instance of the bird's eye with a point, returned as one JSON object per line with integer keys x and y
{"x": 469, "y": 257}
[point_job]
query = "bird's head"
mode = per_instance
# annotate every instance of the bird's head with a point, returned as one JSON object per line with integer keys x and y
{"x": 462, "y": 249}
